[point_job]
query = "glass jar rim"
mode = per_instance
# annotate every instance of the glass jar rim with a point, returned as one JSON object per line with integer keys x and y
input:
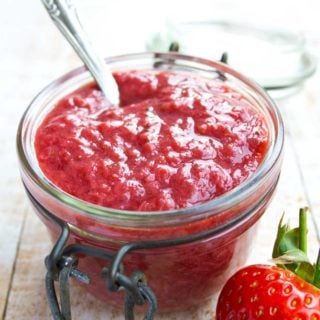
{"x": 220, "y": 203}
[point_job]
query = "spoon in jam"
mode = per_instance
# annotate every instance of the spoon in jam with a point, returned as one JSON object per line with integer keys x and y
{"x": 64, "y": 15}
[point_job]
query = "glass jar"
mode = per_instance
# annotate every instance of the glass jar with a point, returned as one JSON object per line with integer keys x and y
{"x": 180, "y": 275}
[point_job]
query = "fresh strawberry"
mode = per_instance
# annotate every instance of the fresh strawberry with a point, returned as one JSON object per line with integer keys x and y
{"x": 288, "y": 291}
{"x": 268, "y": 292}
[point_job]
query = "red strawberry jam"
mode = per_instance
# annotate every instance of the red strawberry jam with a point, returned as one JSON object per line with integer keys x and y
{"x": 177, "y": 140}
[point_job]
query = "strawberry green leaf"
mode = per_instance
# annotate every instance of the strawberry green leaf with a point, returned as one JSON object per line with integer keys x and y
{"x": 305, "y": 270}
{"x": 289, "y": 241}
{"x": 316, "y": 279}
{"x": 282, "y": 229}
{"x": 298, "y": 262}
{"x": 292, "y": 256}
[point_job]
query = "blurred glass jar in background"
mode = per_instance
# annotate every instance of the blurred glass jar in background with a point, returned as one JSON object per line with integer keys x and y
{"x": 277, "y": 59}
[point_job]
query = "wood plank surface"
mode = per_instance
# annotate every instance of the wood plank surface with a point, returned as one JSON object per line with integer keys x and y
{"x": 32, "y": 53}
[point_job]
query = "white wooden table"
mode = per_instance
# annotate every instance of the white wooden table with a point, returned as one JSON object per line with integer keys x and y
{"x": 32, "y": 53}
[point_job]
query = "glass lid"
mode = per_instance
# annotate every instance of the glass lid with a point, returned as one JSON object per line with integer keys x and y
{"x": 276, "y": 59}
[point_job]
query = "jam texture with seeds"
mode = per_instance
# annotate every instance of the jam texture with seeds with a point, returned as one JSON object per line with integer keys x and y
{"x": 177, "y": 140}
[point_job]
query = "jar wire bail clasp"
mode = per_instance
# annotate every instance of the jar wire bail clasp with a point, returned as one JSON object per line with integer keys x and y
{"x": 61, "y": 264}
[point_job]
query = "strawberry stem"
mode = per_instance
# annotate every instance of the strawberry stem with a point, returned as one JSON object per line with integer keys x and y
{"x": 316, "y": 279}
{"x": 303, "y": 230}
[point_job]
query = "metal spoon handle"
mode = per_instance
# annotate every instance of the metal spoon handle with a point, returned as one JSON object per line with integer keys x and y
{"x": 64, "y": 15}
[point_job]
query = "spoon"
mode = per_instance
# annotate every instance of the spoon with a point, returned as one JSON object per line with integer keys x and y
{"x": 64, "y": 15}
